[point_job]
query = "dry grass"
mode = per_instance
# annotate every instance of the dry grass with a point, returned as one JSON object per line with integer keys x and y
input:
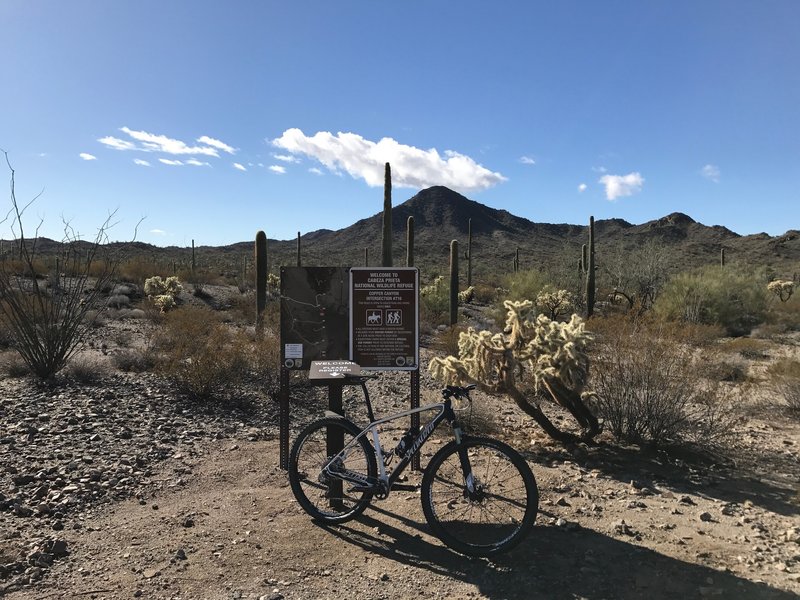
{"x": 783, "y": 377}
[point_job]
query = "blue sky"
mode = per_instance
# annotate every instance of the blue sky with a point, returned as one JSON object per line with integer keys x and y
{"x": 213, "y": 120}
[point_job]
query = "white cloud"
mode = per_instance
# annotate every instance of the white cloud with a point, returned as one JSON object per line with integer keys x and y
{"x": 140, "y": 162}
{"x": 316, "y": 171}
{"x": 209, "y": 141}
{"x": 711, "y": 172}
{"x": 152, "y": 142}
{"x": 87, "y": 156}
{"x": 117, "y": 144}
{"x": 277, "y": 169}
{"x": 599, "y": 169}
{"x": 158, "y": 232}
{"x": 527, "y": 160}
{"x": 197, "y": 163}
{"x": 173, "y": 163}
{"x": 622, "y": 185}
{"x": 239, "y": 166}
{"x": 582, "y": 187}
{"x": 411, "y": 167}
{"x": 286, "y": 158}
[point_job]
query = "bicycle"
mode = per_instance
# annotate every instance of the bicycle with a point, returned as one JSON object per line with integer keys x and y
{"x": 479, "y": 496}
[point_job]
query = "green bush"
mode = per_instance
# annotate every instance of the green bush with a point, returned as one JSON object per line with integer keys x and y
{"x": 520, "y": 286}
{"x": 434, "y": 300}
{"x": 714, "y": 296}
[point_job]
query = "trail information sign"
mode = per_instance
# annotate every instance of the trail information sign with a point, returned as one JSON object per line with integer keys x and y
{"x": 384, "y": 318}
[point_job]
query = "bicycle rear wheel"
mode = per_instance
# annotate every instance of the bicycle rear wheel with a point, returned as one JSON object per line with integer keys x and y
{"x": 324, "y": 497}
{"x": 492, "y": 515}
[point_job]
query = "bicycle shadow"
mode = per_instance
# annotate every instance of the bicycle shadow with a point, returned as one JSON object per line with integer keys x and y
{"x": 552, "y": 563}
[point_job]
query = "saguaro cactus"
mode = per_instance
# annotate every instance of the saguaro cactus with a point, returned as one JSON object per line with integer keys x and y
{"x": 299, "y": 262}
{"x": 453, "y": 282}
{"x": 722, "y": 257}
{"x": 386, "y": 246}
{"x": 366, "y": 257}
{"x": 469, "y": 253}
{"x": 193, "y": 262}
{"x": 516, "y": 261}
{"x": 590, "y": 274}
{"x": 261, "y": 278}
{"x": 410, "y": 242}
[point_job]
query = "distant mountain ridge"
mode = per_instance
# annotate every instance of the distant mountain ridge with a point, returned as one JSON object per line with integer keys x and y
{"x": 441, "y": 215}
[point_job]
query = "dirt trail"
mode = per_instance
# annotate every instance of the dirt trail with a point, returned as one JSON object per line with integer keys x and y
{"x": 234, "y": 531}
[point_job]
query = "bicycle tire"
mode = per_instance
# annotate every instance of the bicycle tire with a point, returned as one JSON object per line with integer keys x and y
{"x": 325, "y": 498}
{"x": 494, "y": 518}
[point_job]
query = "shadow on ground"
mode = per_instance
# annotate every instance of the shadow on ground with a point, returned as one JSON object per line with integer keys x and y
{"x": 685, "y": 472}
{"x": 553, "y": 563}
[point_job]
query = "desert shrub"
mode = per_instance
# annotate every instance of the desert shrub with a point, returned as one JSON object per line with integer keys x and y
{"x": 434, "y": 300}
{"x": 650, "y": 388}
{"x": 729, "y": 371}
{"x": 85, "y": 370}
{"x": 12, "y": 365}
{"x": 118, "y": 301}
{"x": 198, "y": 353}
{"x": 484, "y": 294}
{"x": 132, "y": 360}
{"x": 783, "y": 378}
{"x": 752, "y": 349}
{"x": 446, "y": 341}
{"x": 781, "y": 317}
{"x": 518, "y": 287}
{"x": 714, "y": 296}
{"x": 262, "y": 354}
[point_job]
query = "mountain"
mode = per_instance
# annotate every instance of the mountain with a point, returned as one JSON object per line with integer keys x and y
{"x": 441, "y": 215}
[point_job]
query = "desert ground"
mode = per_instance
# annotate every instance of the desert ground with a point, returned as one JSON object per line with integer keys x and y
{"x": 122, "y": 488}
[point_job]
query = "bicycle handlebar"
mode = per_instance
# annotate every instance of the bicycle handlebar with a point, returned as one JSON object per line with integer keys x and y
{"x": 458, "y": 391}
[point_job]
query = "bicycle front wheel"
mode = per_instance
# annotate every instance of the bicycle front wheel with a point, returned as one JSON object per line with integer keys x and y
{"x": 326, "y": 497}
{"x": 486, "y": 510}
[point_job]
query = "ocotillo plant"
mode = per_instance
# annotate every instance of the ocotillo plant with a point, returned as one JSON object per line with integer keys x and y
{"x": 453, "y": 282}
{"x": 469, "y": 253}
{"x": 261, "y": 278}
{"x": 386, "y": 245}
{"x": 410, "y": 242}
{"x": 590, "y": 274}
{"x": 299, "y": 263}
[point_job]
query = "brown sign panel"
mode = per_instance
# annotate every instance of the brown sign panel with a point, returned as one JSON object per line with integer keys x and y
{"x": 384, "y": 318}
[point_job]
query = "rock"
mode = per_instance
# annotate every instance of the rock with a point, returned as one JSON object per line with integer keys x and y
{"x": 150, "y": 573}
{"x": 622, "y": 528}
{"x": 687, "y": 500}
{"x": 706, "y": 517}
{"x": 180, "y": 554}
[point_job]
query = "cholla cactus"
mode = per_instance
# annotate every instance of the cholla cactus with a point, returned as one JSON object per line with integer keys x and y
{"x": 552, "y": 354}
{"x": 466, "y": 296}
{"x": 273, "y": 281}
{"x": 555, "y": 302}
{"x": 435, "y": 288}
{"x": 155, "y": 286}
{"x": 781, "y": 288}
{"x": 163, "y": 291}
{"x": 164, "y": 302}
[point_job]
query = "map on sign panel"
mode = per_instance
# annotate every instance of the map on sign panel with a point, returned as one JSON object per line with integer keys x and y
{"x": 314, "y": 315}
